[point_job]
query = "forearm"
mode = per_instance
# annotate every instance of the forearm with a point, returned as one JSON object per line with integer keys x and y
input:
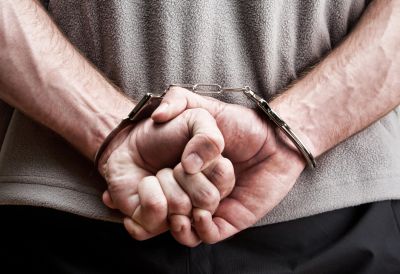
{"x": 354, "y": 86}
{"x": 44, "y": 76}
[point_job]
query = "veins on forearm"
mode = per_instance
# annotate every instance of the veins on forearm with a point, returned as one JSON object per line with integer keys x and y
{"x": 353, "y": 86}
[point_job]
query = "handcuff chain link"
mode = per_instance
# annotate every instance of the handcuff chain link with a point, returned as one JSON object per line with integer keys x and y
{"x": 202, "y": 88}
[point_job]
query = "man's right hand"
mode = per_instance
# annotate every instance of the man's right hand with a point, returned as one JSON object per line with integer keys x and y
{"x": 266, "y": 167}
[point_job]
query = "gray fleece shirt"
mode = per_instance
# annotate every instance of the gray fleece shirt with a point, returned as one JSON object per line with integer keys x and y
{"x": 142, "y": 46}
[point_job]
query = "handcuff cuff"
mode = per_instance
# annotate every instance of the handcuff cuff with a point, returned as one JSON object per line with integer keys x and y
{"x": 150, "y": 102}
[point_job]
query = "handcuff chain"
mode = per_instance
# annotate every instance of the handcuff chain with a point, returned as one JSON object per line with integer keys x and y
{"x": 202, "y": 88}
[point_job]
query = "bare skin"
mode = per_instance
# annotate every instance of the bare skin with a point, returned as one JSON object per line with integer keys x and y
{"x": 326, "y": 107}
{"x": 45, "y": 77}
{"x": 354, "y": 86}
{"x": 139, "y": 157}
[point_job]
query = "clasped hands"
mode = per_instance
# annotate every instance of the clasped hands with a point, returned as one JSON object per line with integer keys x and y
{"x": 199, "y": 167}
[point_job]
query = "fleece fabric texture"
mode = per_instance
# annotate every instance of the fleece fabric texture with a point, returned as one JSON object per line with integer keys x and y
{"x": 143, "y": 46}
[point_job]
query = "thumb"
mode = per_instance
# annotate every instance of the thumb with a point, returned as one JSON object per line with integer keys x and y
{"x": 178, "y": 99}
{"x": 206, "y": 143}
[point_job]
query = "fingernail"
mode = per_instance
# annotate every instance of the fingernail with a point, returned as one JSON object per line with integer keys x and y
{"x": 161, "y": 108}
{"x": 193, "y": 163}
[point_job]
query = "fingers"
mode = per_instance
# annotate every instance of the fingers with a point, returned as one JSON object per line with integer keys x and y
{"x": 137, "y": 231}
{"x": 149, "y": 218}
{"x": 159, "y": 195}
{"x": 162, "y": 194}
{"x": 182, "y": 231}
{"x": 205, "y": 191}
{"x": 222, "y": 175}
{"x": 123, "y": 199}
{"x": 206, "y": 144}
{"x": 122, "y": 177}
{"x": 202, "y": 192}
{"x": 179, "y": 208}
{"x": 107, "y": 200}
{"x": 226, "y": 222}
{"x": 179, "y": 99}
{"x": 205, "y": 227}
{"x": 179, "y": 203}
{"x": 207, "y": 188}
{"x": 177, "y": 199}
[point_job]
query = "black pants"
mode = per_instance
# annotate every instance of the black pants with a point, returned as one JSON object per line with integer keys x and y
{"x": 363, "y": 239}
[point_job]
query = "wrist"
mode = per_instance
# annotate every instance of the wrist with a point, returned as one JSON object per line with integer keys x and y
{"x": 298, "y": 116}
{"x": 286, "y": 147}
{"x": 288, "y": 159}
{"x": 101, "y": 122}
{"x": 117, "y": 140}
{"x": 89, "y": 116}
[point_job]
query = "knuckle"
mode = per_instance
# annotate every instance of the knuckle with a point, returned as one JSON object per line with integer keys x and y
{"x": 207, "y": 133}
{"x": 179, "y": 172}
{"x": 147, "y": 180}
{"x": 162, "y": 173}
{"x": 176, "y": 91}
{"x": 226, "y": 190}
{"x": 206, "y": 198}
{"x": 219, "y": 141}
{"x": 155, "y": 205}
{"x": 223, "y": 177}
{"x": 135, "y": 233}
{"x": 117, "y": 188}
{"x": 180, "y": 205}
{"x": 192, "y": 114}
{"x": 213, "y": 139}
{"x": 211, "y": 142}
{"x": 218, "y": 174}
{"x": 200, "y": 111}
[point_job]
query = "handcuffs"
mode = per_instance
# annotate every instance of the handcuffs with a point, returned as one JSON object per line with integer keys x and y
{"x": 150, "y": 102}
